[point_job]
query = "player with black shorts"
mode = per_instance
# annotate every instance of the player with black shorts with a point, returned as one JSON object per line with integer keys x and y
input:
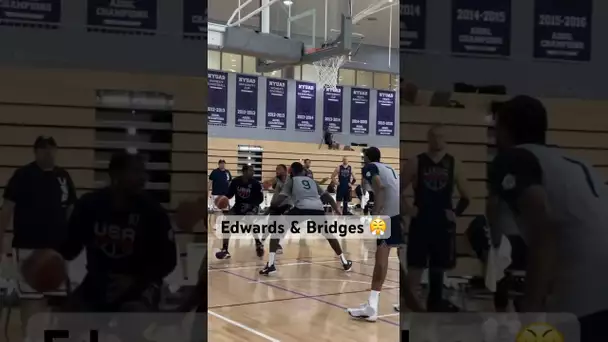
{"x": 248, "y": 195}
{"x": 306, "y": 195}
{"x": 432, "y": 231}
{"x": 344, "y": 173}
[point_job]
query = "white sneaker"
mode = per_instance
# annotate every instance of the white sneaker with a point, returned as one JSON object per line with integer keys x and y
{"x": 365, "y": 311}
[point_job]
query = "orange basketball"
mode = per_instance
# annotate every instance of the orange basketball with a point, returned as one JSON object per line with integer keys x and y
{"x": 44, "y": 270}
{"x": 267, "y": 184}
{"x": 222, "y": 202}
{"x": 188, "y": 214}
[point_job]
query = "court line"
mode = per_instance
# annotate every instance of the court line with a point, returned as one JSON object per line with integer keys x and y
{"x": 301, "y": 294}
{"x": 287, "y": 299}
{"x": 389, "y": 315}
{"x": 242, "y": 326}
{"x": 351, "y": 271}
{"x": 215, "y": 269}
{"x": 318, "y": 279}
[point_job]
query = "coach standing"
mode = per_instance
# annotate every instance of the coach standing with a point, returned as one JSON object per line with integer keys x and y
{"x": 219, "y": 181}
{"x": 39, "y": 197}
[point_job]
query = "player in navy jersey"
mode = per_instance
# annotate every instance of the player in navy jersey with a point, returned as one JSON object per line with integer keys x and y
{"x": 345, "y": 179}
{"x": 248, "y": 197}
{"x": 432, "y": 231}
{"x": 385, "y": 184}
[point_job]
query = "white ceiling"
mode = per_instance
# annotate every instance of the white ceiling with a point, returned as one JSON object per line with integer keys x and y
{"x": 376, "y": 32}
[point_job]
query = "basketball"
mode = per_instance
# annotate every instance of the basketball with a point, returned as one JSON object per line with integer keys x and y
{"x": 44, "y": 270}
{"x": 267, "y": 184}
{"x": 222, "y": 202}
{"x": 188, "y": 214}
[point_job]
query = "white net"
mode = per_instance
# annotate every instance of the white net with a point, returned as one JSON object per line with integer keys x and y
{"x": 327, "y": 71}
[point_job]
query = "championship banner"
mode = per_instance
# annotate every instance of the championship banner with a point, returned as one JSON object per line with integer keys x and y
{"x": 195, "y": 17}
{"x": 306, "y": 101}
{"x": 562, "y": 29}
{"x": 276, "y": 104}
{"x": 412, "y": 20}
{"x": 217, "y": 97}
{"x": 332, "y": 109}
{"x": 359, "y": 111}
{"x": 385, "y": 112}
{"x": 481, "y": 27}
{"x": 30, "y": 12}
{"x": 246, "y": 101}
{"x": 123, "y": 15}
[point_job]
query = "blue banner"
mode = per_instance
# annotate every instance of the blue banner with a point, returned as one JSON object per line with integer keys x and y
{"x": 124, "y": 15}
{"x": 412, "y": 20}
{"x": 481, "y": 27}
{"x": 359, "y": 111}
{"x": 276, "y": 104}
{"x": 195, "y": 17}
{"x": 306, "y": 102}
{"x": 562, "y": 29}
{"x": 385, "y": 113}
{"x": 332, "y": 109}
{"x": 246, "y": 101}
{"x": 32, "y": 11}
{"x": 217, "y": 97}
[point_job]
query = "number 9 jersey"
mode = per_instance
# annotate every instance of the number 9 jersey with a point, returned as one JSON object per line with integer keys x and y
{"x": 390, "y": 181}
{"x": 304, "y": 192}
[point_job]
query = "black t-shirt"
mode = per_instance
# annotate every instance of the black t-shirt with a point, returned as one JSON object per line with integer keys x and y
{"x": 136, "y": 240}
{"x": 247, "y": 193}
{"x": 41, "y": 199}
{"x": 220, "y": 181}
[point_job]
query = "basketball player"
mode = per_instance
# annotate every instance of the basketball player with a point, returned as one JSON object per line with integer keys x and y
{"x": 345, "y": 179}
{"x": 39, "y": 197}
{"x": 282, "y": 208}
{"x": 559, "y": 204}
{"x": 248, "y": 195}
{"x": 307, "y": 170}
{"x": 432, "y": 231}
{"x": 306, "y": 196}
{"x": 128, "y": 239}
{"x": 385, "y": 185}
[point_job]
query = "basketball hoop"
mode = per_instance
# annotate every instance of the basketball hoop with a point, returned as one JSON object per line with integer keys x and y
{"x": 327, "y": 71}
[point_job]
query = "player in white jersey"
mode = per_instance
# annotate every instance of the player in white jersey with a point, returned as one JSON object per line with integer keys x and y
{"x": 385, "y": 185}
{"x": 306, "y": 196}
{"x": 559, "y": 204}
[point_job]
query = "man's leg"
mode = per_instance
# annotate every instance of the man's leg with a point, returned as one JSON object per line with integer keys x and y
{"x": 333, "y": 242}
{"x": 223, "y": 254}
{"x": 442, "y": 258}
{"x": 417, "y": 254}
{"x": 274, "y": 246}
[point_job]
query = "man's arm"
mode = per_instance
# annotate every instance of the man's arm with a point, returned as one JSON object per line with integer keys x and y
{"x": 162, "y": 251}
{"x": 210, "y": 182}
{"x": 517, "y": 178}
{"x": 11, "y": 193}
{"x": 334, "y": 175}
{"x": 410, "y": 172}
{"x": 72, "y": 196}
{"x": 258, "y": 193}
{"x": 231, "y": 189}
{"x": 463, "y": 189}
{"x": 285, "y": 193}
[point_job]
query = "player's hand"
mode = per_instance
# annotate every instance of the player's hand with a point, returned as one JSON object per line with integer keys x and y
{"x": 338, "y": 211}
{"x": 449, "y": 214}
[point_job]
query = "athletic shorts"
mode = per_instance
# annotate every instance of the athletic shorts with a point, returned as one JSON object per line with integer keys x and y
{"x": 343, "y": 194}
{"x": 431, "y": 243}
{"x": 396, "y": 237}
{"x": 280, "y": 210}
{"x": 25, "y": 291}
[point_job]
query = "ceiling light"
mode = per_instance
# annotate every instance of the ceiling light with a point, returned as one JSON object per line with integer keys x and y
{"x": 287, "y": 2}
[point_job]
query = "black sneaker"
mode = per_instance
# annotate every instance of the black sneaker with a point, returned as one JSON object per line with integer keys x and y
{"x": 348, "y": 266}
{"x": 268, "y": 270}
{"x": 279, "y": 249}
{"x": 223, "y": 254}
